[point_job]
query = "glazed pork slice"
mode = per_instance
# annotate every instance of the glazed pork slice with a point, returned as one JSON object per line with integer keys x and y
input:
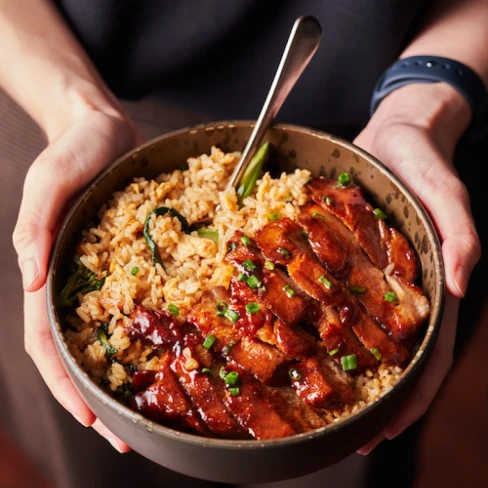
{"x": 384, "y": 245}
{"x": 339, "y": 251}
{"x": 274, "y": 315}
{"x": 265, "y": 362}
{"x": 301, "y": 416}
{"x": 206, "y": 393}
{"x": 256, "y": 412}
{"x": 318, "y": 283}
{"x": 319, "y": 382}
{"x": 154, "y": 327}
{"x": 341, "y": 341}
{"x": 163, "y": 400}
{"x": 248, "y": 260}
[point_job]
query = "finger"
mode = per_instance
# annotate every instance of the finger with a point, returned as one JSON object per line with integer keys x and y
{"x": 414, "y": 158}
{"x": 40, "y": 346}
{"x": 371, "y": 445}
{"x": 115, "y": 442}
{"x": 433, "y": 376}
{"x": 63, "y": 169}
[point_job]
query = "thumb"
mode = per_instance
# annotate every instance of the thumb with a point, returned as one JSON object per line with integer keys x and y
{"x": 32, "y": 241}
{"x": 62, "y": 170}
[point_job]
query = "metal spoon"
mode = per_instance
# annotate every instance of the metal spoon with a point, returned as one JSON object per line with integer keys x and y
{"x": 301, "y": 46}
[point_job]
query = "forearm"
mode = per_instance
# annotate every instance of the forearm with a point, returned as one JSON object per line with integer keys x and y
{"x": 455, "y": 29}
{"x": 45, "y": 69}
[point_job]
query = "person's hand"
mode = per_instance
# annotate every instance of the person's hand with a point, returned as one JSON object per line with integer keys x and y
{"x": 71, "y": 160}
{"x": 414, "y": 132}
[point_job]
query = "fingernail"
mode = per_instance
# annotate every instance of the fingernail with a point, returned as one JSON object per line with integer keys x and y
{"x": 391, "y": 433}
{"x": 84, "y": 424}
{"x": 461, "y": 288}
{"x": 30, "y": 272}
{"x": 365, "y": 450}
{"x": 114, "y": 444}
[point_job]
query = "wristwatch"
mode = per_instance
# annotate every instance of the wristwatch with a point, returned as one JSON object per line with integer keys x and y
{"x": 435, "y": 69}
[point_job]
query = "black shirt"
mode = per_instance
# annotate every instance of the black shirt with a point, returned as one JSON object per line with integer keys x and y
{"x": 219, "y": 56}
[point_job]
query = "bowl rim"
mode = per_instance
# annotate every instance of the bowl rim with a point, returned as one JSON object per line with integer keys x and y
{"x": 416, "y": 361}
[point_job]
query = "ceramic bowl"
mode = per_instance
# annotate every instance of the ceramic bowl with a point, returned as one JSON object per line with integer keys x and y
{"x": 237, "y": 461}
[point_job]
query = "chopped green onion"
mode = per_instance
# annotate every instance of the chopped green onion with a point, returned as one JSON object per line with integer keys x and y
{"x": 253, "y": 282}
{"x": 289, "y": 291}
{"x": 390, "y": 296}
{"x": 284, "y": 252}
{"x": 327, "y": 200}
{"x": 317, "y": 215}
{"x": 232, "y": 378}
{"x": 234, "y": 391}
{"x": 326, "y": 281}
{"x": 334, "y": 352}
{"x": 380, "y": 214}
{"x": 173, "y": 309}
{"x": 349, "y": 362}
{"x": 226, "y": 349}
{"x": 295, "y": 375}
{"x": 222, "y": 372}
{"x": 231, "y": 246}
{"x": 160, "y": 211}
{"x": 209, "y": 341}
{"x": 377, "y": 354}
{"x": 232, "y": 315}
{"x": 102, "y": 337}
{"x": 252, "y": 308}
{"x": 305, "y": 235}
{"x": 246, "y": 241}
{"x": 207, "y": 371}
{"x": 344, "y": 179}
{"x": 357, "y": 290}
{"x": 211, "y": 234}
{"x": 134, "y": 271}
{"x": 274, "y": 217}
{"x": 249, "y": 265}
{"x": 241, "y": 277}
{"x": 251, "y": 175}
{"x": 269, "y": 265}
{"x": 221, "y": 308}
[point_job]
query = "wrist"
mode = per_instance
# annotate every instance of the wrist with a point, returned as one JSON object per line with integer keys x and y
{"x": 437, "y": 108}
{"x": 71, "y": 101}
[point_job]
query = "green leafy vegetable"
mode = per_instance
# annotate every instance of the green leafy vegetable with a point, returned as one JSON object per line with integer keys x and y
{"x": 251, "y": 175}
{"x": 160, "y": 211}
{"x": 103, "y": 338}
{"x": 211, "y": 234}
{"x": 81, "y": 280}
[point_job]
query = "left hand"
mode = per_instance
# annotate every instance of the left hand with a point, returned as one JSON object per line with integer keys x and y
{"x": 414, "y": 132}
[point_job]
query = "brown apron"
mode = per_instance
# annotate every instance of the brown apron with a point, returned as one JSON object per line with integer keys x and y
{"x": 70, "y": 455}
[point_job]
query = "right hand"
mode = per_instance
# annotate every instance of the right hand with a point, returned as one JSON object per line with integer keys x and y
{"x": 62, "y": 170}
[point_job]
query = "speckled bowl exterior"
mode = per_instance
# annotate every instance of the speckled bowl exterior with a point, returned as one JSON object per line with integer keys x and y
{"x": 252, "y": 461}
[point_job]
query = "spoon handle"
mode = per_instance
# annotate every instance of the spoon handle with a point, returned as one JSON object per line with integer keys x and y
{"x": 303, "y": 42}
